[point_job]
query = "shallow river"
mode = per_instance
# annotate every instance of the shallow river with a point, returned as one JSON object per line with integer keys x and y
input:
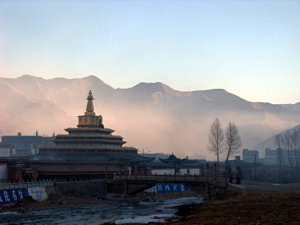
{"x": 140, "y": 213}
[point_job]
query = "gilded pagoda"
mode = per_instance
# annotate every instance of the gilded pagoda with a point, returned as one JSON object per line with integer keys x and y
{"x": 89, "y": 140}
{"x": 88, "y": 151}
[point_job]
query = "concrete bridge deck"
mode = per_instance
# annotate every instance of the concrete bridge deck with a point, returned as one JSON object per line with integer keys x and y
{"x": 217, "y": 181}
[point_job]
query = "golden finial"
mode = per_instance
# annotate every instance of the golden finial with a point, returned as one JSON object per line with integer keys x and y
{"x": 90, "y": 106}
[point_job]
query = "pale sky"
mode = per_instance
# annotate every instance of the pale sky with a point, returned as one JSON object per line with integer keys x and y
{"x": 249, "y": 48}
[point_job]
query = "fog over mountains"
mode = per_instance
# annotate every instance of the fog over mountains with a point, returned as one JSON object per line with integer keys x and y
{"x": 270, "y": 142}
{"x": 150, "y": 116}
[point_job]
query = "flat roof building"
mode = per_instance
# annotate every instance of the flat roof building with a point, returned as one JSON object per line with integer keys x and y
{"x": 250, "y": 156}
{"x": 23, "y": 145}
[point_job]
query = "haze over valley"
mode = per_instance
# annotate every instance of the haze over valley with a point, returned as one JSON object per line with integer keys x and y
{"x": 150, "y": 116}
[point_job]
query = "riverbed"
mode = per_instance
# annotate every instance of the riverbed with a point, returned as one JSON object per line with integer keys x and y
{"x": 142, "y": 212}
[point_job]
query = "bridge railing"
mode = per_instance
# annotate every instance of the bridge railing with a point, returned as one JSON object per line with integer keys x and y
{"x": 6, "y": 186}
{"x": 210, "y": 179}
{"x": 161, "y": 177}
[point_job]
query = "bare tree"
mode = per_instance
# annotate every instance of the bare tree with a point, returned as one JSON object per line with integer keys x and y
{"x": 233, "y": 140}
{"x": 295, "y": 136}
{"x": 216, "y": 138}
{"x": 288, "y": 144}
{"x": 298, "y": 142}
{"x": 278, "y": 142}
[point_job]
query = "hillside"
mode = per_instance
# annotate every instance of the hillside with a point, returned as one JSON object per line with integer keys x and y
{"x": 270, "y": 142}
{"x": 150, "y": 116}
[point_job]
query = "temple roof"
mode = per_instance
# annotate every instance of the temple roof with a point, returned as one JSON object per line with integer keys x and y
{"x": 131, "y": 158}
{"x": 89, "y": 141}
{"x": 89, "y": 129}
{"x": 99, "y": 157}
{"x": 74, "y": 147}
{"x": 89, "y": 136}
{"x": 76, "y": 157}
{"x": 173, "y": 160}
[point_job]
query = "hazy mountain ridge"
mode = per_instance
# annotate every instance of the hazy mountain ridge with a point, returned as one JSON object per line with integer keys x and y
{"x": 270, "y": 142}
{"x": 177, "y": 121}
{"x": 19, "y": 110}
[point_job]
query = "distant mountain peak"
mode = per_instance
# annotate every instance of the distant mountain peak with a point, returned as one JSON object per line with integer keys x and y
{"x": 94, "y": 78}
{"x": 91, "y": 77}
{"x": 153, "y": 87}
{"x": 157, "y": 84}
{"x": 217, "y": 90}
{"x": 27, "y": 76}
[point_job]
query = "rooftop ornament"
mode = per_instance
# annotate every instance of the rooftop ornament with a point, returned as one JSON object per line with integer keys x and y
{"x": 90, "y": 105}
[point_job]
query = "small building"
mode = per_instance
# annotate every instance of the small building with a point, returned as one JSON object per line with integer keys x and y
{"x": 175, "y": 166}
{"x": 20, "y": 145}
{"x": 272, "y": 156}
{"x": 250, "y": 156}
{"x": 7, "y": 150}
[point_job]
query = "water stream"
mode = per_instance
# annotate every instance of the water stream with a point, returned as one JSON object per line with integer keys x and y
{"x": 143, "y": 212}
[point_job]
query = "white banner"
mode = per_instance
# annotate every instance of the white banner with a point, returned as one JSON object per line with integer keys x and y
{"x": 38, "y": 193}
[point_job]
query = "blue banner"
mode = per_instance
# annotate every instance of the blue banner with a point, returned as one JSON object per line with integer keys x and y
{"x": 171, "y": 188}
{"x": 12, "y": 195}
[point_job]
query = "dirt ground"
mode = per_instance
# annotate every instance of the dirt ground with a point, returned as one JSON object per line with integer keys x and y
{"x": 251, "y": 207}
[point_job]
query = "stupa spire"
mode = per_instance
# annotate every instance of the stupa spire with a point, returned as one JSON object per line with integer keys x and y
{"x": 90, "y": 105}
{"x": 89, "y": 119}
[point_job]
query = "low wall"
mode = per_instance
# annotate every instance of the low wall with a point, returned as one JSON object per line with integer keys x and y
{"x": 20, "y": 185}
{"x": 11, "y": 196}
{"x": 12, "y": 192}
{"x": 81, "y": 188}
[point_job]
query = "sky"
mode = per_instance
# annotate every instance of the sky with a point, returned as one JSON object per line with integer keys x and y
{"x": 249, "y": 48}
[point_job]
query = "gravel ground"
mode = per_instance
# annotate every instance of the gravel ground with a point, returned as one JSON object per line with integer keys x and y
{"x": 250, "y": 204}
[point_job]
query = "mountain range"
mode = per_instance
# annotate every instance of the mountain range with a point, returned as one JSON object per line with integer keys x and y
{"x": 150, "y": 116}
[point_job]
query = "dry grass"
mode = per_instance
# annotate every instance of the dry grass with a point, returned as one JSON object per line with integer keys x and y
{"x": 247, "y": 208}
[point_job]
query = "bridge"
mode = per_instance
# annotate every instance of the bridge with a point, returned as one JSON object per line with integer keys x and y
{"x": 185, "y": 179}
{"x": 133, "y": 184}
{"x": 208, "y": 182}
